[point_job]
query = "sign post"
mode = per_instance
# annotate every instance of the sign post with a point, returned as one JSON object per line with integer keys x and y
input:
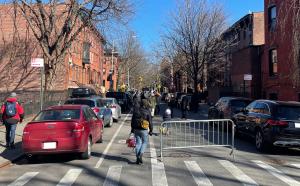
{"x": 247, "y": 77}
{"x": 39, "y": 63}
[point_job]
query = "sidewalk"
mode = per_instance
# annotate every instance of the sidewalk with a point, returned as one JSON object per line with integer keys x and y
{"x": 7, "y": 156}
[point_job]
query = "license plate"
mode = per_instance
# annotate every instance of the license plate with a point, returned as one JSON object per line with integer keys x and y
{"x": 297, "y": 125}
{"x": 49, "y": 145}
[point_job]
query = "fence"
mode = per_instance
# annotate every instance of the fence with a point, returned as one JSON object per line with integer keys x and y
{"x": 196, "y": 133}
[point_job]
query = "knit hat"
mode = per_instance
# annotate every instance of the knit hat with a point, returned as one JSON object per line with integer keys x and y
{"x": 13, "y": 95}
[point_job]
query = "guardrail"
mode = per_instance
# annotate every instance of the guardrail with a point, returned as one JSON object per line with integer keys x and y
{"x": 196, "y": 133}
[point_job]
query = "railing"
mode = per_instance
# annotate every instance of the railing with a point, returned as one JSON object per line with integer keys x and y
{"x": 196, "y": 133}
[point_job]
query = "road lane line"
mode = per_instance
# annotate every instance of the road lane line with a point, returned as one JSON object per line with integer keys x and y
{"x": 110, "y": 143}
{"x": 70, "y": 177}
{"x": 159, "y": 177}
{"x": 197, "y": 173}
{"x": 277, "y": 173}
{"x": 237, "y": 173}
{"x": 22, "y": 180}
{"x": 296, "y": 165}
{"x": 113, "y": 176}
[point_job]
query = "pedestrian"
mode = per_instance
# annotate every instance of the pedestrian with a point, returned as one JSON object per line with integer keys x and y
{"x": 140, "y": 118}
{"x": 11, "y": 114}
{"x": 184, "y": 105}
{"x": 152, "y": 103}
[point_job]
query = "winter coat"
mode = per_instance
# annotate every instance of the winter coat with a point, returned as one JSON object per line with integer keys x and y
{"x": 19, "y": 112}
{"x": 138, "y": 115}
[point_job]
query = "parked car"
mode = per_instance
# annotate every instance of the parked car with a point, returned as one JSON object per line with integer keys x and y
{"x": 270, "y": 123}
{"x": 97, "y": 106}
{"x": 124, "y": 99}
{"x": 112, "y": 103}
{"x": 83, "y": 92}
{"x": 62, "y": 129}
{"x": 226, "y": 107}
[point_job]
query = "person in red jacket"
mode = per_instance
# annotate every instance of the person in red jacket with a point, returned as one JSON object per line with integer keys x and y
{"x": 11, "y": 114}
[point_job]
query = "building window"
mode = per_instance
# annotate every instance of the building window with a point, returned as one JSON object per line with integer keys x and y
{"x": 272, "y": 17}
{"x": 103, "y": 83}
{"x": 273, "y": 62}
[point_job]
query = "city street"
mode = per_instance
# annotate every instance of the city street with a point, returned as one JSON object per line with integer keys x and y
{"x": 113, "y": 163}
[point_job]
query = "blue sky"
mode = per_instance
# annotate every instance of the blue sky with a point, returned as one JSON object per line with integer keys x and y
{"x": 151, "y": 15}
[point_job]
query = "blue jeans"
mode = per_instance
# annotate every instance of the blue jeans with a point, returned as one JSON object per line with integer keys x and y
{"x": 141, "y": 137}
{"x": 10, "y": 133}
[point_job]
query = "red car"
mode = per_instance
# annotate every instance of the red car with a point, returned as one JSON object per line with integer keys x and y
{"x": 63, "y": 129}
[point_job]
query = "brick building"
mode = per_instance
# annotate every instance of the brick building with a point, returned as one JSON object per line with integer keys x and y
{"x": 243, "y": 57}
{"x": 277, "y": 65}
{"x": 82, "y": 64}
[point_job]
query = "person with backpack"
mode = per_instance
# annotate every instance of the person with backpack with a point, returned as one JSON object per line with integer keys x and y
{"x": 140, "y": 123}
{"x": 11, "y": 114}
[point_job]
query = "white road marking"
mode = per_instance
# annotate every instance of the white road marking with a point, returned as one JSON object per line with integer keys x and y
{"x": 22, "y": 180}
{"x": 110, "y": 143}
{"x": 197, "y": 173}
{"x": 296, "y": 165}
{"x": 113, "y": 176}
{"x": 237, "y": 173}
{"x": 277, "y": 173}
{"x": 70, "y": 177}
{"x": 159, "y": 177}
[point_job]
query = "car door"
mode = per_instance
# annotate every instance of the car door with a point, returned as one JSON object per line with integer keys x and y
{"x": 89, "y": 120}
{"x": 96, "y": 125}
{"x": 242, "y": 117}
{"x": 254, "y": 117}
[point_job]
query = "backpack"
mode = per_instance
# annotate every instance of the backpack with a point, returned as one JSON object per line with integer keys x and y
{"x": 144, "y": 123}
{"x": 10, "y": 109}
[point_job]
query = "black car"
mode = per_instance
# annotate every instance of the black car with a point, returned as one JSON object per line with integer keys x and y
{"x": 83, "y": 92}
{"x": 124, "y": 99}
{"x": 270, "y": 123}
{"x": 226, "y": 107}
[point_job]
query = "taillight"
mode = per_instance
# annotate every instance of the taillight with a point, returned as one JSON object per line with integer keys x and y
{"x": 276, "y": 122}
{"x": 78, "y": 128}
{"x": 96, "y": 110}
{"x": 113, "y": 106}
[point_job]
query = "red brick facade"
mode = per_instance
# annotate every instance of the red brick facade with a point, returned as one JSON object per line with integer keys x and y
{"x": 278, "y": 84}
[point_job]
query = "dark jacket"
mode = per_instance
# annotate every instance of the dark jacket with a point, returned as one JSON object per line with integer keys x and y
{"x": 138, "y": 115}
{"x": 15, "y": 119}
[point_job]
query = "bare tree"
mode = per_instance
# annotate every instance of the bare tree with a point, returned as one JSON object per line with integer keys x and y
{"x": 57, "y": 24}
{"x": 194, "y": 33}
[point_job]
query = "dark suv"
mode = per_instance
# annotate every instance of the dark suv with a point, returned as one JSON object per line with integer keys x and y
{"x": 226, "y": 107}
{"x": 270, "y": 123}
{"x": 124, "y": 99}
{"x": 83, "y": 92}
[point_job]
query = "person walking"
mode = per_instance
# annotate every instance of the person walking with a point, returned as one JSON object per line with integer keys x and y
{"x": 11, "y": 114}
{"x": 184, "y": 105}
{"x": 140, "y": 119}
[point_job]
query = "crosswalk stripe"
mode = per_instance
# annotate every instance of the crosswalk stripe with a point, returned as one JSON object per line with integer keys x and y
{"x": 277, "y": 173}
{"x": 159, "y": 177}
{"x": 197, "y": 173}
{"x": 22, "y": 180}
{"x": 70, "y": 177}
{"x": 113, "y": 176}
{"x": 237, "y": 173}
{"x": 296, "y": 165}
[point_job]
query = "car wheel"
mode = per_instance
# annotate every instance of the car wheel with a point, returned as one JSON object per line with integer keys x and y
{"x": 100, "y": 140}
{"x": 87, "y": 154}
{"x": 110, "y": 122}
{"x": 31, "y": 158}
{"x": 260, "y": 142}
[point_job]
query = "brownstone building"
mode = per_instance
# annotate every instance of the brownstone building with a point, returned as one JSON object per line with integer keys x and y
{"x": 277, "y": 66}
{"x": 243, "y": 59}
{"x": 82, "y": 64}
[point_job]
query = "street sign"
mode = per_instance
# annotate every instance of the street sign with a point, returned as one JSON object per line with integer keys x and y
{"x": 248, "y": 77}
{"x": 37, "y": 62}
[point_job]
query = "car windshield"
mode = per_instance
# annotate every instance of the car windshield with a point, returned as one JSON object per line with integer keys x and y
{"x": 47, "y": 115}
{"x": 107, "y": 101}
{"x": 117, "y": 95}
{"x": 239, "y": 103}
{"x": 81, "y": 102}
{"x": 288, "y": 112}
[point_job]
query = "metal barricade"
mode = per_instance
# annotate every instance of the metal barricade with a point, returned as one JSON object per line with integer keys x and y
{"x": 196, "y": 133}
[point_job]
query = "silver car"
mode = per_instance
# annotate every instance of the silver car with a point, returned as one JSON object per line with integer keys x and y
{"x": 112, "y": 103}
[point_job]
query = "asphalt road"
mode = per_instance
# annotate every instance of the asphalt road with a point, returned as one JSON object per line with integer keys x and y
{"x": 113, "y": 163}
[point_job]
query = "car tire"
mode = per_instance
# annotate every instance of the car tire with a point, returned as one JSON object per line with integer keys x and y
{"x": 110, "y": 124}
{"x": 260, "y": 142}
{"x": 32, "y": 158}
{"x": 87, "y": 154}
